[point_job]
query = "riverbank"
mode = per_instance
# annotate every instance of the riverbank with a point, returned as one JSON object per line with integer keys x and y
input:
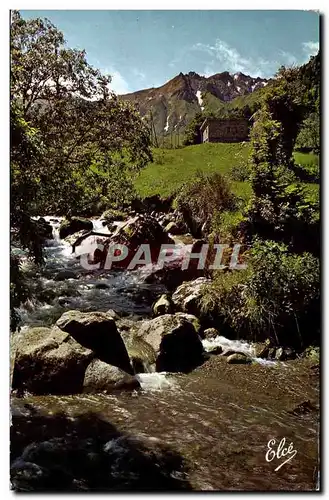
{"x": 207, "y": 429}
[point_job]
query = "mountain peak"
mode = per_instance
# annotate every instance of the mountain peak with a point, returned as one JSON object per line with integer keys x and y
{"x": 175, "y": 103}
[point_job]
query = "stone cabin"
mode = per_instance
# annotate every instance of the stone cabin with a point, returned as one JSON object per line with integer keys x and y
{"x": 215, "y": 130}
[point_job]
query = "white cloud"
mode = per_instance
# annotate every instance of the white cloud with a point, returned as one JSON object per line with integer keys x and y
{"x": 289, "y": 59}
{"x": 226, "y": 56}
{"x": 310, "y": 48}
{"x": 220, "y": 56}
{"x": 118, "y": 83}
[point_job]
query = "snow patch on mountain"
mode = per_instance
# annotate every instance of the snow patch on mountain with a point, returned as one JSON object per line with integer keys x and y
{"x": 166, "y": 128}
{"x": 199, "y": 98}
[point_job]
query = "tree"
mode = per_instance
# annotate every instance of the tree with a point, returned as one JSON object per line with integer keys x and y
{"x": 279, "y": 208}
{"x": 88, "y": 135}
{"x": 192, "y": 131}
{"x": 309, "y": 135}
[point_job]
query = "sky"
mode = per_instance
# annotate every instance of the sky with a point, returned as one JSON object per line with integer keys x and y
{"x": 142, "y": 49}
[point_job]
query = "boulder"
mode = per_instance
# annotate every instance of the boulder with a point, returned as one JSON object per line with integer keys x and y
{"x": 44, "y": 229}
{"x": 141, "y": 229}
{"x": 289, "y": 353}
{"x": 102, "y": 377}
{"x": 48, "y": 360}
{"x": 73, "y": 225}
{"x": 238, "y": 358}
{"x": 262, "y": 349}
{"x": 279, "y": 354}
{"x": 65, "y": 274}
{"x": 210, "y": 333}
{"x": 163, "y": 305}
{"x": 175, "y": 340}
{"x": 112, "y": 215}
{"x": 97, "y": 331}
{"x": 188, "y": 295}
{"x": 142, "y": 355}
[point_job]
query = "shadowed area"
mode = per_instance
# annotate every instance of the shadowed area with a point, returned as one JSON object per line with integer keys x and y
{"x": 85, "y": 453}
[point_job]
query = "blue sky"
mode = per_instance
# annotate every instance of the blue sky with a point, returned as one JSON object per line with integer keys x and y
{"x": 142, "y": 49}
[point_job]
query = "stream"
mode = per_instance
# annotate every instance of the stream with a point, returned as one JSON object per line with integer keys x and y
{"x": 219, "y": 418}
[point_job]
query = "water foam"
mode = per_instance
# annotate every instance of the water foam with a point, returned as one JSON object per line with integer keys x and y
{"x": 156, "y": 381}
{"x": 236, "y": 346}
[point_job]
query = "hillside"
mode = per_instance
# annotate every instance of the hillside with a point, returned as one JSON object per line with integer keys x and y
{"x": 174, "y": 104}
{"x": 173, "y": 167}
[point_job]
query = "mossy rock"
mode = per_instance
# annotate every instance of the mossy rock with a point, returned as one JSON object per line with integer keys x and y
{"x": 74, "y": 225}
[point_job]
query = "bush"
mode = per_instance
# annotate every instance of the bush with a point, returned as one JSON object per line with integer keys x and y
{"x": 276, "y": 297}
{"x": 204, "y": 197}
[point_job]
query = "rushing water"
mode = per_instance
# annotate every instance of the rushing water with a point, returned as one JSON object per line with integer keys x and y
{"x": 219, "y": 418}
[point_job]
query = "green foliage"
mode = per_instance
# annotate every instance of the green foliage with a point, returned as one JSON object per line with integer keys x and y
{"x": 92, "y": 143}
{"x": 192, "y": 131}
{"x": 308, "y": 138}
{"x": 279, "y": 208}
{"x": 276, "y": 296}
{"x": 199, "y": 200}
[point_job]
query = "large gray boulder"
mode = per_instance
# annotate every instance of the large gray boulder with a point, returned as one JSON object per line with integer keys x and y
{"x": 48, "y": 360}
{"x": 175, "y": 340}
{"x": 97, "y": 331}
{"x": 188, "y": 295}
{"x": 102, "y": 377}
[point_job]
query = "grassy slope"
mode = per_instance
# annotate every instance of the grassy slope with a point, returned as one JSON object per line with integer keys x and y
{"x": 173, "y": 167}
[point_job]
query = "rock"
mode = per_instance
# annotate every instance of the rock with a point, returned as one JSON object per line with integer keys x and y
{"x": 141, "y": 354}
{"x": 65, "y": 274}
{"x": 170, "y": 277}
{"x": 210, "y": 333}
{"x": 113, "y": 215}
{"x": 175, "y": 340}
{"x": 262, "y": 349}
{"x": 102, "y": 377}
{"x": 216, "y": 349}
{"x": 97, "y": 331}
{"x": 142, "y": 229}
{"x": 64, "y": 301}
{"x": 73, "y": 225}
{"x": 44, "y": 229}
{"x": 163, "y": 305}
{"x": 114, "y": 315}
{"x": 289, "y": 353}
{"x": 238, "y": 358}
{"x": 188, "y": 295}
{"x": 176, "y": 228}
{"x": 271, "y": 353}
{"x": 279, "y": 354}
{"x": 303, "y": 408}
{"x": 49, "y": 361}
{"x": 102, "y": 286}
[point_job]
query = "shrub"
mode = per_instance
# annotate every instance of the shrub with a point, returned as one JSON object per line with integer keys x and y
{"x": 202, "y": 198}
{"x": 277, "y": 296}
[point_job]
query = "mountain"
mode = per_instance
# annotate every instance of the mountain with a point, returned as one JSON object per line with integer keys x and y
{"x": 174, "y": 104}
